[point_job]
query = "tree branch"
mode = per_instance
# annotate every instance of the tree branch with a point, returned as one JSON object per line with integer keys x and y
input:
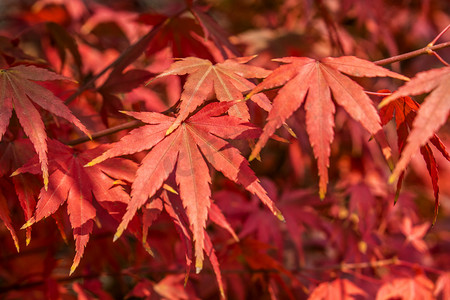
{"x": 425, "y": 50}
{"x": 105, "y": 132}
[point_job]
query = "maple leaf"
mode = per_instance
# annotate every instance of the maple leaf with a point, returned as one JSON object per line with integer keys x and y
{"x": 213, "y": 31}
{"x": 70, "y": 182}
{"x": 170, "y": 287}
{"x": 313, "y": 80}
{"x": 417, "y": 287}
{"x": 16, "y": 90}
{"x": 174, "y": 207}
{"x": 337, "y": 289}
{"x": 443, "y": 286}
{"x": 118, "y": 83}
{"x": 415, "y": 234}
{"x": 183, "y": 34}
{"x": 6, "y": 219}
{"x": 195, "y": 141}
{"x": 64, "y": 41}
{"x": 216, "y": 215}
{"x": 14, "y": 154}
{"x": 254, "y": 255}
{"x": 405, "y": 110}
{"x": 430, "y": 117}
{"x": 227, "y": 79}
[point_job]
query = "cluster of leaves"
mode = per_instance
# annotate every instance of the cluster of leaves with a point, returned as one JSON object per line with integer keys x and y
{"x": 131, "y": 122}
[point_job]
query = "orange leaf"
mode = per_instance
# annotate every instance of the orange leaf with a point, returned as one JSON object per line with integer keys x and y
{"x": 187, "y": 149}
{"x": 313, "y": 81}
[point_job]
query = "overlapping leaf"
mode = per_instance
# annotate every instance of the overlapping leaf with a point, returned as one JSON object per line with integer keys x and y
{"x": 227, "y": 79}
{"x": 14, "y": 154}
{"x": 306, "y": 78}
{"x": 340, "y": 288}
{"x": 408, "y": 288}
{"x": 443, "y": 286}
{"x": 18, "y": 91}
{"x": 186, "y": 149}
{"x": 405, "y": 110}
{"x": 432, "y": 114}
{"x": 173, "y": 206}
{"x": 71, "y": 183}
{"x": 6, "y": 219}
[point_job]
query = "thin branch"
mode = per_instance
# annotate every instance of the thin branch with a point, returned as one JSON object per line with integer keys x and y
{"x": 370, "y": 264}
{"x": 415, "y": 265}
{"x": 439, "y": 35}
{"x": 425, "y": 50}
{"x": 440, "y": 59}
{"x": 105, "y": 132}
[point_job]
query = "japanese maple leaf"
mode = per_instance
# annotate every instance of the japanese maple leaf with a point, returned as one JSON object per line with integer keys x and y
{"x": 186, "y": 149}
{"x": 6, "y": 219}
{"x": 417, "y": 287}
{"x": 337, "y": 289}
{"x": 14, "y": 154}
{"x": 415, "y": 234}
{"x": 432, "y": 114}
{"x": 174, "y": 207}
{"x": 297, "y": 208}
{"x": 313, "y": 81}
{"x": 178, "y": 33}
{"x": 170, "y": 287}
{"x": 405, "y": 110}
{"x": 213, "y": 31}
{"x": 119, "y": 83}
{"x": 18, "y": 90}
{"x": 71, "y": 183}
{"x": 227, "y": 79}
{"x": 443, "y": 286}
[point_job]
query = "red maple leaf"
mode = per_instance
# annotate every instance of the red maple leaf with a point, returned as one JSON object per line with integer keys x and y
{"x": 14, "y": 154}
{"x": 443, "y": 286}
{"x": 183, "y": 33}
{"x": 6, "y": 219}
{"x": 313, "y": 80}
{"x": 174, "y": 207}
{"x": 337, "y": 289}
{"x": 198, "y": 138}
{"x": 170, "y": 287}
{"x": 415, "y": 234}
{"x": 214, "y": 32}
{"x": 405, "y": 109}
{"x": 18, "y": 91}
{"x": 71, "y": 183}
{"x": 227, "y": 79}
{"x": 430, "y": 117}
{"x": 408, "y": 288}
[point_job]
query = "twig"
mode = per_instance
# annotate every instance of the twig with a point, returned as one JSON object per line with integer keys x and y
{"x": 105, "y": 132}
{"x": 440, "y": 59}
{"x": 439, "y": 35}
{"x": 425, "y": 50}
